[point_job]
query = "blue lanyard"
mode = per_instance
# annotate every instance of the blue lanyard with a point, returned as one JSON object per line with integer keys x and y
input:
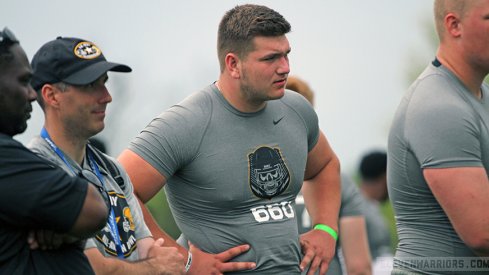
{"x": 114, "y": 231}
{"x": 47, "y": 138}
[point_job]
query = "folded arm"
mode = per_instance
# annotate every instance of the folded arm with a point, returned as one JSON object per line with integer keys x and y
{"x": 463, "y": 194}
{"x": 92, "y": 216}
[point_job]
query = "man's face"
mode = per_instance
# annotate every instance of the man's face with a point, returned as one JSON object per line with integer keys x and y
{"x": 376, "y": 189}
{"x": 264, "y": 70}
{"x": 475, "y": 34}
{"x": 82, "y": 108}
{"x": 16, "y": 93}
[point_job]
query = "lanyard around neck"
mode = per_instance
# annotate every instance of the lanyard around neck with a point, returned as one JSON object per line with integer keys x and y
{"x": 47, "y": 138}
{"x": 114, "y": 231}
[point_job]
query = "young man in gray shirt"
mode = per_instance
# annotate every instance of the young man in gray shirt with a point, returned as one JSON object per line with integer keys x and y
{"x": 438, "y": 149}
{"x": 234, "y": 156}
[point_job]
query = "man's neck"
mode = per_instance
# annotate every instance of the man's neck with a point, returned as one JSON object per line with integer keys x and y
{"x": 467, "y": 74}
{"x": 73, "y": 147}
{"x": 232, "y": 93}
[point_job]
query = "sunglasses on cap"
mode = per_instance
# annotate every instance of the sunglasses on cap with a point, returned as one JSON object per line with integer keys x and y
{"x": 7, "y": 36}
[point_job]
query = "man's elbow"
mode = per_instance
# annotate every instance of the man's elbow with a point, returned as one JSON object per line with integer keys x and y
{"x": 93, "y": 215}
{"x": 100, "y": 216}
{"x": 359, "y": 267}
{"x": 98, "y": 203}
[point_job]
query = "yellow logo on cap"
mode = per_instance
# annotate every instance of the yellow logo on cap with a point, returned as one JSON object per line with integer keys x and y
{"x": 87, "y": 50}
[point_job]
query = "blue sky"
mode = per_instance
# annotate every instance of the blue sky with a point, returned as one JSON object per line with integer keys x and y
{"x": 354, "y": 54}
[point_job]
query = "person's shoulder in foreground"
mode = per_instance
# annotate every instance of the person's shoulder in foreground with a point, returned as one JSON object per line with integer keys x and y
{"x": 34, "y": 193}
{"x": 437, "y": 157}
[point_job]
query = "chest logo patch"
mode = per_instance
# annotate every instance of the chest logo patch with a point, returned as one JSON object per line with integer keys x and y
{"x": 125, "y": 226}
{"x": 268, "y": 174}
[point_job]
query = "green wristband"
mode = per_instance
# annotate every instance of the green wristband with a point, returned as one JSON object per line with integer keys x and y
{"x": 327, "y": 229}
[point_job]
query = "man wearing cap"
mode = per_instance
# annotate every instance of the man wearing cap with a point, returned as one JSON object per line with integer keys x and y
{"x": 69, "y": 75}
{"x": 34, "y": 193}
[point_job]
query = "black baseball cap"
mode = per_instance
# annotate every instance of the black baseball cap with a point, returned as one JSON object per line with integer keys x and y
{"x": 70, "y": 60}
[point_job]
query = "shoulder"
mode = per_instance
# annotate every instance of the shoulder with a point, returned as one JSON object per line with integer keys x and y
{"x": 295, "y": 100}
{"x": 8, "y": 143}
{"x": 108, "y": 163}
{"x": 194, "y": 105}
{"x": 296, "y": 103}
{"x": 190, "y": 114}
{"x": 436, "y": 87}
{"x": 114, "y": 170}
{"x": 115, "y": 163}
{"x": 437, "y": 95}
{"x": 12, "y": 151}
{"x": 40, "y": 147}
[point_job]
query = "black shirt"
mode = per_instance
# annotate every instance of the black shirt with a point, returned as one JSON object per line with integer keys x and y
{"x": 35, "y": 194}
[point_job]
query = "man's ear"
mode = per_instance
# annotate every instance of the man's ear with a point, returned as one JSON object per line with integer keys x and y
{"x": 50, "y": 95}
{"x": 233, "y": 65}
{"x": 452, "y": 24}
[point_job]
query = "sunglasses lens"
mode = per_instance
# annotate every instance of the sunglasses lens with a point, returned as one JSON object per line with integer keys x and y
{"x": 7, "y": 35}
{"x": 10, "y": 34}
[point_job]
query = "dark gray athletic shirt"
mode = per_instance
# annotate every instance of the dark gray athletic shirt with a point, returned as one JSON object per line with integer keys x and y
{"x": 439, "y": 124}
{"x": 232, "y": 176}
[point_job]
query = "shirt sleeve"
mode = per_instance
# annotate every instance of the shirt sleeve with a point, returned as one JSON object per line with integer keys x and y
{"x": 37, "y": 194}
{"x": 305, "y": 110}
{"x": 442, "y": 130}
{"x": 172, "y": 139}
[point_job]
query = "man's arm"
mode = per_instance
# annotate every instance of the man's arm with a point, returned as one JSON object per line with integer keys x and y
{"x": 93, "y": 215}
{"x": 159, "y": 260}
{"x": 321, "y": 192}
{"x": 147, "y": 182}
{"x": 354, "y": 244}
{"x": 92, "y": 218}
{"x": 463, "y": 194}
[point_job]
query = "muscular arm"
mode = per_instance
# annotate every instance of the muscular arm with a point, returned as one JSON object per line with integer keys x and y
{"x": 92, "y": 216}
{"x": 354, "y": 244}
{"x": 321, "y": 192}
{"x": 147, "y": 182}
{"x": 463, "y": 194}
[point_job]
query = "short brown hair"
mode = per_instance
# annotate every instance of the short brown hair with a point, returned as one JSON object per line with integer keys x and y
{"x": 241, "y": 24}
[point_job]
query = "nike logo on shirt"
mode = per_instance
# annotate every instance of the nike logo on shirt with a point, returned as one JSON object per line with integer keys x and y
{"x": 275, "y": 122}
